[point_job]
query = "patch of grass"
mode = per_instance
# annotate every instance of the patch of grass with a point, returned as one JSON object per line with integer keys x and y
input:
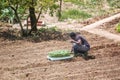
{"x": 87, "y": 3}
{"x": 78, "y": 2}
{"x": 75, "y": 14}
{"x": 97, "y": 7}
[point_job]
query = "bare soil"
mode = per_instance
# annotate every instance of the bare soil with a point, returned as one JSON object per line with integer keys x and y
{"x": 111, "y": 27}
{"x": 25, "y": 60}
{"x": 21, "y": 59}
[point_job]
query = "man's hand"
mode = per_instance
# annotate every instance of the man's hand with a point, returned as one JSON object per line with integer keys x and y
{"x": 72, "y": 41}
{"x": 72, "y": 50}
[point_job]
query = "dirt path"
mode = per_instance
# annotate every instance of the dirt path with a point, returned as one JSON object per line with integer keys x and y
{"x": 101, "y": 22}
{"x": 106, "y": 34}
{"x": 92, "y": 28}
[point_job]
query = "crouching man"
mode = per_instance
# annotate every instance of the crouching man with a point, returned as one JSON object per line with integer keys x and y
{"x": 80, "y": 45}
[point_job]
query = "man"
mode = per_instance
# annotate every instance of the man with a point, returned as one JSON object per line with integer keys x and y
{"x": 80, "y": 45}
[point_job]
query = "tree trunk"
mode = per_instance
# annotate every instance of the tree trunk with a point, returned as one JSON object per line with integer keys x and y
{"x": 33, "y": 19}
{"x": 19, "y": 21}
{"x": 22, "y": 30}
{"x": 60, "y": 10}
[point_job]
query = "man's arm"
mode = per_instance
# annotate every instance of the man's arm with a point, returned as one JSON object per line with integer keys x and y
{"x": 77, "y": 42}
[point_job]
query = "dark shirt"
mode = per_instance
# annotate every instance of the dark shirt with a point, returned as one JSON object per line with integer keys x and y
{"x": 83, "y": 40}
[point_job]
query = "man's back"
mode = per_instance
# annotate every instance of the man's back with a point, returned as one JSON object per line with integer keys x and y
{"x": 83, "y": 40}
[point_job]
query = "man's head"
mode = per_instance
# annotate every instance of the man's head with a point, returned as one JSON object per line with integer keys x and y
{"x": 73, "y": 35}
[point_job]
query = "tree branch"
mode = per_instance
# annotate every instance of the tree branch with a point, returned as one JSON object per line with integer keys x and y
{"x": 17, "y": 6}
{"x": 16, "y": 14}
{"x": 39, "y": 13}
{"x": 27, "y": 24}
{"x": 12, "y": 8}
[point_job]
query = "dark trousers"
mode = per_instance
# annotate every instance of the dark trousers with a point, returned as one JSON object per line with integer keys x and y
{"x": 80, "y": 49}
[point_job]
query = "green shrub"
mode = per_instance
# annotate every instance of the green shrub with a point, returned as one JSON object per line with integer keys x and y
{"x": 59, "y": 53}
{"x": 118, "y": 28}
{"x": 7, "y": 15}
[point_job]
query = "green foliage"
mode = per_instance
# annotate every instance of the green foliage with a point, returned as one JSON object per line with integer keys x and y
{"x": 7, "y": 14}
{"x": 47, "y": 5}
{"x": 1, "y": 7}
{"x": 53, "y": 8}
{"x": 118, "y": 27}
{"x": 74, "y": 14}
{"x": 114, "y": 3}
{"x": 22, "y": 7}
{"x": 59, "y": 53}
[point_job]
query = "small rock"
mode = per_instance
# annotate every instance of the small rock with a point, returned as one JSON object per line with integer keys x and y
{"x": 27, "y": 74}
{"x": 13, "y": 55}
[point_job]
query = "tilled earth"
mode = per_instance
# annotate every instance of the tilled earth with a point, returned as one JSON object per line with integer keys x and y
{"x": 23, "y": 60}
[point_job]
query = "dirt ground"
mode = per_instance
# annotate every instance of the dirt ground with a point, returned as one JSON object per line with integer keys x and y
{"x": 111, "y": 27}
{"x": 23, "y": 60}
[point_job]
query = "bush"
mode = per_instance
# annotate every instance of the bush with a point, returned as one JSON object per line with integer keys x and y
{"x": 7, "y": 15}
{"x": 45, "y": 34}
{"x": 118, "y": 27}
{"x": 59, "y": 53}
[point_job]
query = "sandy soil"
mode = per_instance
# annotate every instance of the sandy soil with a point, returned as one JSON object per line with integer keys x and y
{"x": 23, "y": 60}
